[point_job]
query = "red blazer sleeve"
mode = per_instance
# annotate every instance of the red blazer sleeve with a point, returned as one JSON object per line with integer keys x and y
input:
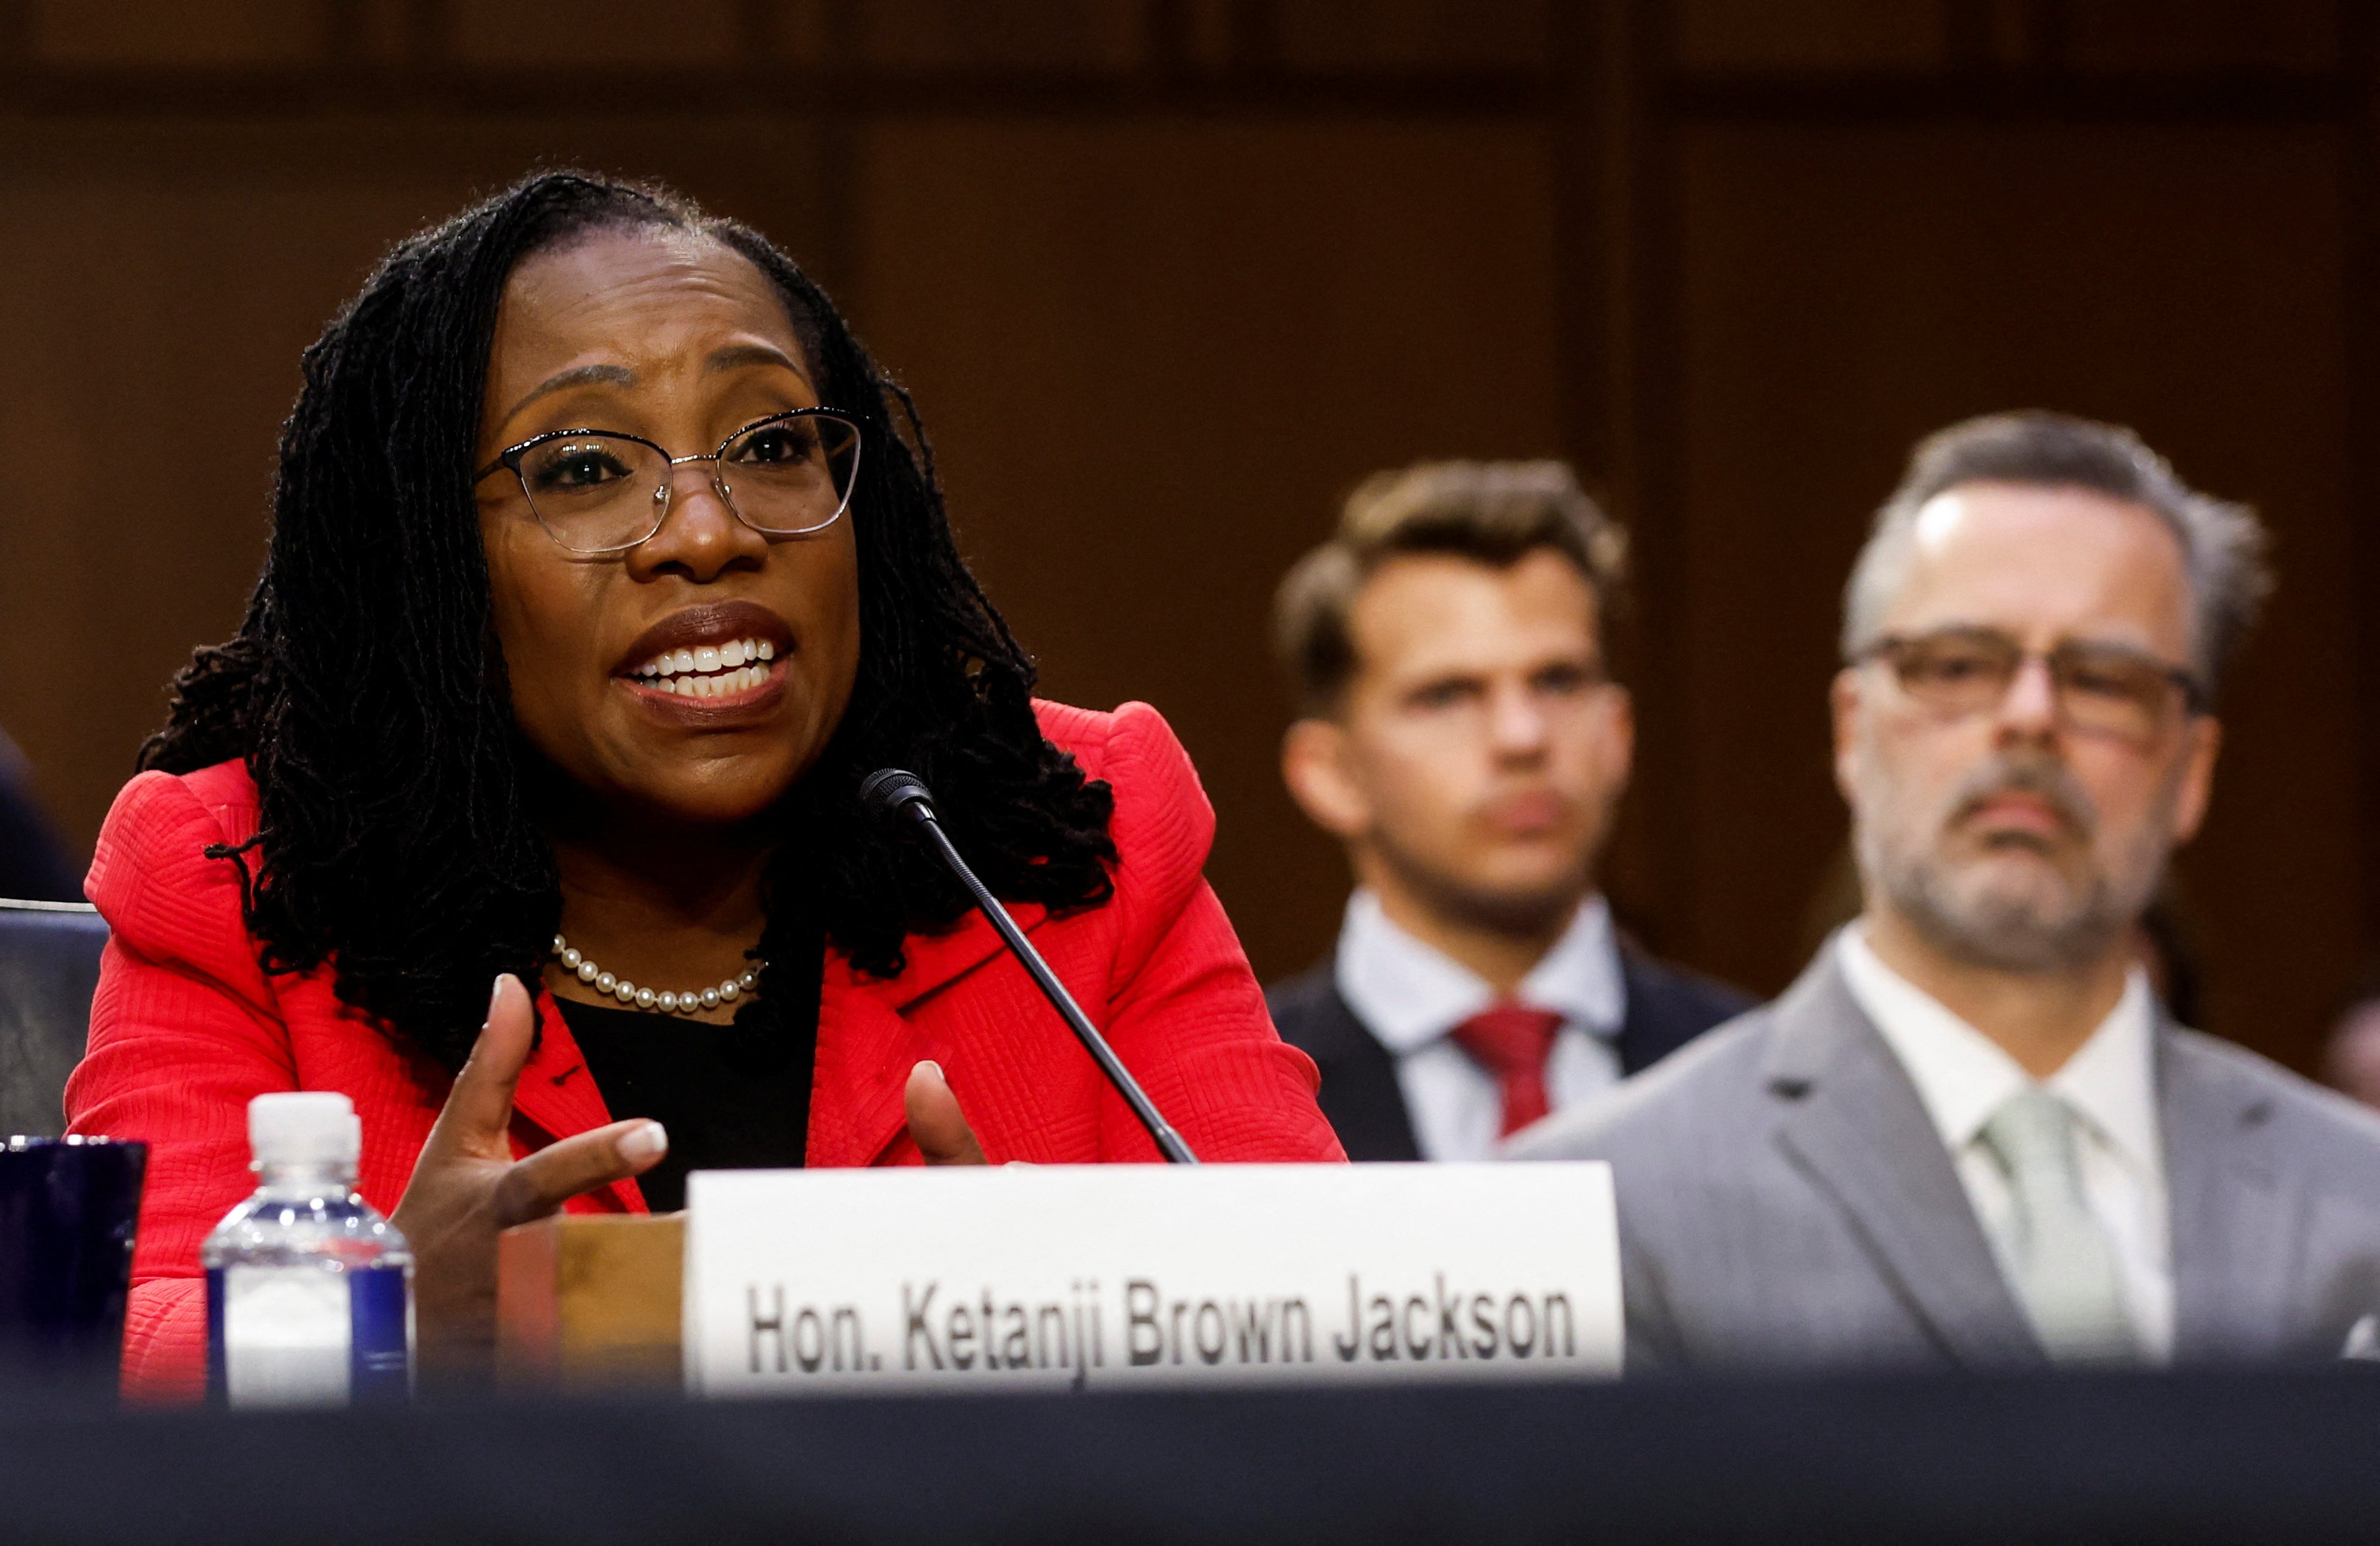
{"x": 184, "y": 1031}
{"x": 1185, "y": 1011}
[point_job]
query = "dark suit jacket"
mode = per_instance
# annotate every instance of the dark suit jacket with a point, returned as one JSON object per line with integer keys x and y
{"x": 1666, "y": 1007}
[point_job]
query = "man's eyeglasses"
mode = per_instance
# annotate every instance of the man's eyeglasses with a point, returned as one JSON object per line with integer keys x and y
{"x": 597, "y": 491}
{"x": 2107, "y": 689}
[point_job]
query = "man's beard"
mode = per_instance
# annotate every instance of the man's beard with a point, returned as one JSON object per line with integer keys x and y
{"x": 1966, "y": 913}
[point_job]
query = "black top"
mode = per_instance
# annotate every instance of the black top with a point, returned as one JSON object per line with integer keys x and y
{"x": 733, "y": 1097}
{"x": 1666, "y": 1007}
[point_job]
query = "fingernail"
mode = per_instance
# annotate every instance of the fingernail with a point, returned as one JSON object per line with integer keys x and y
{"x": 929, "y": 1062}
{"x": 650, "y": 1142}
{"x": 495, "y": 991}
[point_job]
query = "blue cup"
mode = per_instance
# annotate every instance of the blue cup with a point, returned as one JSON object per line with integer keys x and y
{"x": 68, "y": 1210}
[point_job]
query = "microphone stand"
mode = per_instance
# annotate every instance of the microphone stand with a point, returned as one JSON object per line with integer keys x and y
{"x": 891, "y": 790}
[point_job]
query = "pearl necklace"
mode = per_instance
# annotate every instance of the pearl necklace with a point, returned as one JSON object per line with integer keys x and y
{"x": 629, "y": 994}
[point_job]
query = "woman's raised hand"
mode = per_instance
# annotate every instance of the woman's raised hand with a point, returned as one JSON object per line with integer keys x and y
{"x": 466, "y": 1188}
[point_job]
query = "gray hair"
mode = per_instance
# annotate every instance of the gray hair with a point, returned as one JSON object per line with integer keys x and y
{"x": 2223, "y": 544}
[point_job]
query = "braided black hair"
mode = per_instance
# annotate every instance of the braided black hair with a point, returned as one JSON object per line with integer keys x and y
{"x": 367, "y": 695}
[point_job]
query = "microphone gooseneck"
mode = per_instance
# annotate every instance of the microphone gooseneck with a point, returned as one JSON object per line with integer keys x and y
{"x": 892, "y": 792}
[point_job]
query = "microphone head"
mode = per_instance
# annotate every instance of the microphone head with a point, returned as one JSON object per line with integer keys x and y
{"x": 889, "y": 791}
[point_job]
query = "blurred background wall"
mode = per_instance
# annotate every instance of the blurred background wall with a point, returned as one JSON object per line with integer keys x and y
{"x": 1169, "y": 276}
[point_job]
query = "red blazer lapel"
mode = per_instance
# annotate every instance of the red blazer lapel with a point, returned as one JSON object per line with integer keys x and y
{"x": 936, "y": 960}
{"x": 867, "y": 1044}
{"x": 557, "y": 1096}
{"x": 865, "y": 1053}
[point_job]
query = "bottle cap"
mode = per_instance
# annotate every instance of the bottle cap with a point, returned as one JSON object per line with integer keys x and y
{"x": 315, "y": 1128}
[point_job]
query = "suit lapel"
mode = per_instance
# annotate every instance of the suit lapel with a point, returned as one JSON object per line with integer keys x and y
{"x": 557, "y": 1097}
{"x": 1851, "y": 1120}
{"x": 1639, "y": 1042}
{"x": 933, "y": 961}
{"x": 867, "y": 1042}
{"x": 1361, "y": 1097}
{"x": 2236, "y": 1228}
{"x": 865, "y": 1052}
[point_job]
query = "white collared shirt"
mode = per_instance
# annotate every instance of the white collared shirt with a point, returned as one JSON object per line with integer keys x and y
{"x": 1410, "y": 995}
{"x": 2110, "y": 1082}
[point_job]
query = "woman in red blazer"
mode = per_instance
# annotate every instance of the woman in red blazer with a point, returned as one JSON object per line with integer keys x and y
{"x": 538, "y": 687}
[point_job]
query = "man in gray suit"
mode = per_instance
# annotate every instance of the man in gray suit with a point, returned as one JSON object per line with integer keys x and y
{"x": 1969, "y": 1137}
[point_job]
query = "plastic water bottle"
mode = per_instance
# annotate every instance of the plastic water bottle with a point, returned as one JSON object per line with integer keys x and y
{"x": 309, "y": 1291}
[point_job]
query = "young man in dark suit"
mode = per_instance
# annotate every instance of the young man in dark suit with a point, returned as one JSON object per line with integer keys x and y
{"x": 1459, "y": 734}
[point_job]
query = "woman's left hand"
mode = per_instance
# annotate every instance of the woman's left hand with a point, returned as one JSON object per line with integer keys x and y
{"x": 467, "y": 1188}
{"x": 936, "y": 1126}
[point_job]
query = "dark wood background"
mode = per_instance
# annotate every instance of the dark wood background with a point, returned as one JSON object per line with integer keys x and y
{"x": 1170, "y": 275}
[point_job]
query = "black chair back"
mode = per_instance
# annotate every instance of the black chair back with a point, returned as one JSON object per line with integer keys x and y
{"x": 49, "y": 967}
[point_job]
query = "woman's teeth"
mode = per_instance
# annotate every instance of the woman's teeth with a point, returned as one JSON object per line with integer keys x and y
{"x": 711, "y": 671}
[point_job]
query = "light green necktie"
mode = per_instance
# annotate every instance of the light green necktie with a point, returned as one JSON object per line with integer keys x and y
{"x": 2057, "y": 1256}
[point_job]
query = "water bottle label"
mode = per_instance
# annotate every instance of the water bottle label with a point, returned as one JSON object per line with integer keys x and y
{"x": 382, "y": 1332}
{"x": 287, "y": 1336}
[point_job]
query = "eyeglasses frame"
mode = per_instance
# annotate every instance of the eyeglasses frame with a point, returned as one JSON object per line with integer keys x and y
{"x": 2196, "y": 698}
{"x": 509, "y": 459}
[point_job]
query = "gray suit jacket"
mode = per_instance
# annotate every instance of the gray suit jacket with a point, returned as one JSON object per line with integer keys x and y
{"x": 1785, "y": 1202}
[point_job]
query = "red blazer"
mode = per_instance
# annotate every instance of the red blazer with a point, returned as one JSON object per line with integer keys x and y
{"x": 186, "y": 1027}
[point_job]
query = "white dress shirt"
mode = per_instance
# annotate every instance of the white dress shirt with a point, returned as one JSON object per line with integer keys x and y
{"x": 1410, "y": 995}
{"x": 1962, "y": 1077}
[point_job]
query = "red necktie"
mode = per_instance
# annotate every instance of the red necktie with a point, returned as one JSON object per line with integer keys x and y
{"x": 1511, "y": 1040}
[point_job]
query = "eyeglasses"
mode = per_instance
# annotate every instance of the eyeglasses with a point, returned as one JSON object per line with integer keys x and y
{"x": 2107, "y": 689}
{"x": 598, "y": 491}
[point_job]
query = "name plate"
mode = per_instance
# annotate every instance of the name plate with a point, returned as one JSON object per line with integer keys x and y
{"x": 1109, "y": 1276}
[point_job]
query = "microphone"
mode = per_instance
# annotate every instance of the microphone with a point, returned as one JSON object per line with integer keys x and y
{"x": 895, "y": 792}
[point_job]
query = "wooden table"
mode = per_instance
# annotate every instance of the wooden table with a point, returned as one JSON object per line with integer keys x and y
{"x": 591, "y": 1302}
